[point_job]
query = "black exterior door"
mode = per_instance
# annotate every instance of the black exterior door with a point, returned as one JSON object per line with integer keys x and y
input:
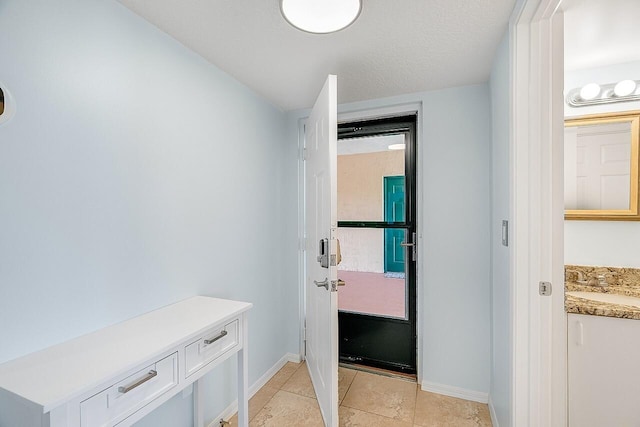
{"x": 377, "y": 305}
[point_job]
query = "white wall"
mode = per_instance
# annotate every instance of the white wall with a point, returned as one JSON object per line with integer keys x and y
{"x": 609, "y": 243}
{"x": 454, "y": 179}
{"x": 133, "y": 175}
{"x": 501, "y": 362}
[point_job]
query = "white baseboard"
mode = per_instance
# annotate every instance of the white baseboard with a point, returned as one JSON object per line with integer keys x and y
{"x": 462, "y": 393}
{"x": 492, "y": 412}
{"x": 230, "y": 410}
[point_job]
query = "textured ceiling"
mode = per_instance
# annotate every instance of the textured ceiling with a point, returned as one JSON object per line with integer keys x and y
{"x": 601, "y": 32}
{"x": 395, "y": 47}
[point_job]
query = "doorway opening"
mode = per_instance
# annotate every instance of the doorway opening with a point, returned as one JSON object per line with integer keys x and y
{"x": 377, "y": 217}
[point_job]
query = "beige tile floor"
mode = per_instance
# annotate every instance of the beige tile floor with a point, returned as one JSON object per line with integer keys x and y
{"x": 366, "y": 400}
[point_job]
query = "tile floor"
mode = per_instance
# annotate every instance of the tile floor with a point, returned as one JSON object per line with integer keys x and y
{"x": 366, "y": 400}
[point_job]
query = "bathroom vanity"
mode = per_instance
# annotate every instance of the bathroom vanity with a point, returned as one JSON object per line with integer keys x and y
{"x": 603, "y": 371}
{"x": 603, "y": 347}
{"x": 117, "y": 375}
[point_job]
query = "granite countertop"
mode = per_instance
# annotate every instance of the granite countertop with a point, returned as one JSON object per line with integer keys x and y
{"x": 578, "y": 305}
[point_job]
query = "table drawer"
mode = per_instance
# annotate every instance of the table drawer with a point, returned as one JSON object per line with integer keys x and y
{"x": 211, "y": 345}
{"x": 117, "y": 402}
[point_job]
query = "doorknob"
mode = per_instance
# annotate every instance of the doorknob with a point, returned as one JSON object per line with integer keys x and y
{"x": 324, "y": 283}
{"x": 334, "y": 284}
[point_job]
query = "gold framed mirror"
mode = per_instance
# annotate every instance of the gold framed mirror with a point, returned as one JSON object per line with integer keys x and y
{"x": 601, "y": 167}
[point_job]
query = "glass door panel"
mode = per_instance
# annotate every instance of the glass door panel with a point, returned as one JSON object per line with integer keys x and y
{"x": 371, "y": 287}
{"x": 364, "y": 164}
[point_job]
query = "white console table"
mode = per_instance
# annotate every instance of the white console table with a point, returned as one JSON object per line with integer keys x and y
{"x": 117, "y": 375}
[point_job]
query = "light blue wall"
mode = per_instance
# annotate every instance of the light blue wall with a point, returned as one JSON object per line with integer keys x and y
{"x": 455, "y": 151}
{"x": 454, "y": 145}
{"x": 501, "y": 345}
{"x": 133, "y": 175}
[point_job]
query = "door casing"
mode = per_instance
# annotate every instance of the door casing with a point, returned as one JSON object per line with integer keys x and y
{"x": 538, "y": 324}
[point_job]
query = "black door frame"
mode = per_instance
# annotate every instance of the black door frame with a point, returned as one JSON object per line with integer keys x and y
{"x": 377, "y": 341}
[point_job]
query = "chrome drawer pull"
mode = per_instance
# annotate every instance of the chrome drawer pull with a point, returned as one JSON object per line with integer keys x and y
{"x": 216, "y": 338}
{"x": 141, "y": 381}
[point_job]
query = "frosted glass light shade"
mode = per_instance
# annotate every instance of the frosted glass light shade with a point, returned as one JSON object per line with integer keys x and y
{"x": 590, "y": 91}
{"x": 625, "y": 88}
{"x": 320, "y": 16}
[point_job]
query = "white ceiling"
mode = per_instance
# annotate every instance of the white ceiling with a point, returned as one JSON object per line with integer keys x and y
{"x": 601, "y": 32}
{"x": 395, "y": 47}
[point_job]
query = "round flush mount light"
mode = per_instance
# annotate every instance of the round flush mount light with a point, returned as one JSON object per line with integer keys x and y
{"x": 320, "y": 16}
{"x": 590, "y": 91}
{"x": 625, "y": 88}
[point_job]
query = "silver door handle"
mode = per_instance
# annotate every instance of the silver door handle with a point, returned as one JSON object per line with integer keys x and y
{"x": 413, "y": 245}
{"x": 324, "y": 283}
{"x": 141, "y": 381}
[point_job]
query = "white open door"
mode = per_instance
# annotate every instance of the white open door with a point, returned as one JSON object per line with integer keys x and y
{"x": 321, "y": 135}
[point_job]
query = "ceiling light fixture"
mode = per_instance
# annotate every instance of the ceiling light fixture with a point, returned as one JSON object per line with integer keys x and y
{"x": 397, "y": 146}
{"x": 320, "y": 16}
{"x": 593, "y": 93}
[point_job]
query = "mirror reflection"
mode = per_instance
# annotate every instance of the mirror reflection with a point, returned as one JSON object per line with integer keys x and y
{"x": 601, "y": 167}
{"x": 1, "y": 101}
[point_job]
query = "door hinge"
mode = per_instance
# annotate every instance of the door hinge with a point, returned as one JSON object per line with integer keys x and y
{"x": 304, "y": 342}
{"x": 304, "y": 154}
{"x": 544, "y": 288}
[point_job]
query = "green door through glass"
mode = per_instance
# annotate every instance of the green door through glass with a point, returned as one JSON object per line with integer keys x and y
{"x": 394, "y": 211}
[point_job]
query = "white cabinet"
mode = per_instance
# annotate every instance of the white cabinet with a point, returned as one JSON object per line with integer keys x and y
{"x": 604, "y": 371}
{"x": 118, "y": 374}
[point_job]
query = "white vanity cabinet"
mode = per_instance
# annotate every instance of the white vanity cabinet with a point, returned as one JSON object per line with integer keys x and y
{"x": 118, "y": 374}
{"x": 604, "y": 371}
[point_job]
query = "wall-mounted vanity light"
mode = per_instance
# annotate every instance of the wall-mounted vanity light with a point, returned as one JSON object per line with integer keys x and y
{"x": 7, "y": 105}
{"x": 593, "y": 93}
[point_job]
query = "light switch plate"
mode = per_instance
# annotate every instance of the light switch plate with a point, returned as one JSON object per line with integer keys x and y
{"x": 505, "y": 232}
